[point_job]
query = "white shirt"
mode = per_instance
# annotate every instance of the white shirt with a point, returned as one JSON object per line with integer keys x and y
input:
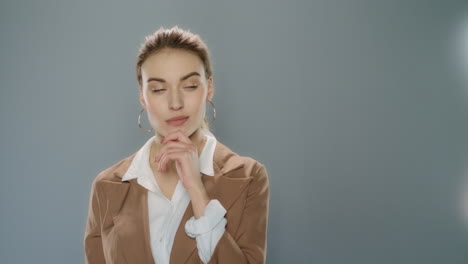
{"x": 165, "y": 215}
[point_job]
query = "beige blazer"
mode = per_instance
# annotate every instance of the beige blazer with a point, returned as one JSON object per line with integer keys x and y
{"x": 117, "y": 227}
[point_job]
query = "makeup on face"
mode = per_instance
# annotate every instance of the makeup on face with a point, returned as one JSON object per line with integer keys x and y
{"x": 177, "y": 121}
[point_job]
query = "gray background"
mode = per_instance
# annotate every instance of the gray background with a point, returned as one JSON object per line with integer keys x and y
{"x": 352, "y": 105}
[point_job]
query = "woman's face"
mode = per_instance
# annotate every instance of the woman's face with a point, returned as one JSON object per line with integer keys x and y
{"x": 174, "y": 84}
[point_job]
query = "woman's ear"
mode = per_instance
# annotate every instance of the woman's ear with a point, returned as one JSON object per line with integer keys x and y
{"x": 142, "y": 99}
{"x": 210, "y": 89}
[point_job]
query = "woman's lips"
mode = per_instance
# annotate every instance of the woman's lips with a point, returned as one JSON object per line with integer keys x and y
{"x": 177, "y": 122}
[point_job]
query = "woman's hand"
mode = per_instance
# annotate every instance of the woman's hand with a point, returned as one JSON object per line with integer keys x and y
{"x": 179, "y": 148}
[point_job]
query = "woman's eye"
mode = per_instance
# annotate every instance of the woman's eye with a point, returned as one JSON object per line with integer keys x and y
{"x": 160, "y": 90}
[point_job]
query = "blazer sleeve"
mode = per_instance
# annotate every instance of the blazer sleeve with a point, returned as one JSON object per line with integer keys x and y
{"x": 92, "y": 238}
{"x": 250, "y": 241}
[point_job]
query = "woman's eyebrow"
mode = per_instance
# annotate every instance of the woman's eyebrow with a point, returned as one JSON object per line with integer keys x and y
{"x": 182, "y": 78}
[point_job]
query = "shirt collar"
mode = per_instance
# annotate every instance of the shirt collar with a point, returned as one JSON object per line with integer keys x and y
{"x": 140, "y": 164}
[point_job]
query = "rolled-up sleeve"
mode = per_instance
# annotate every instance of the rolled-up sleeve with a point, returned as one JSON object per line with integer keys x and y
{"x": 207, "y": 229}
{"x": 249, "y": 244}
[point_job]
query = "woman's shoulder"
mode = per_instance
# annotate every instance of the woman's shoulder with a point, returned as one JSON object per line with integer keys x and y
{"x": 115, "y": 171}
{"x": 227, "y": 160}
{"x": 244, "y": 168}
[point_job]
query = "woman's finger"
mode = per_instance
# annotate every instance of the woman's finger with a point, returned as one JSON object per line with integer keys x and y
{"x": 165, "y": 153}
{"x": 176, "y": 136}
{"x": 176, "y": 156}
{"x": 173, "y": 144}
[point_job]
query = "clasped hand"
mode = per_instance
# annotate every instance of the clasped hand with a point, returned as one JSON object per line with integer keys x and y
{"x": 177, "y": 147}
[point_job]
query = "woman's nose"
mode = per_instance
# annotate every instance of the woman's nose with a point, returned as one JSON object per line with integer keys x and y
{"x": 175, "y": 100}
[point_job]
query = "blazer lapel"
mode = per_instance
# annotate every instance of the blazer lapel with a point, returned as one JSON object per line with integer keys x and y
{"x": 115, "y": 193}
{"x": 118, "y": 191}
{"x": 223, "y": 186}
{"x": 115, "y": 189}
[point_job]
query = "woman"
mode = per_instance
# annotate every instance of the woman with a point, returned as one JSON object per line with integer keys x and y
{"x": 183, "y": 197}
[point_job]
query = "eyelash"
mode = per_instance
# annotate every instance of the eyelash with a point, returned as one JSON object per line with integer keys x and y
{"x": 160, "y": 90}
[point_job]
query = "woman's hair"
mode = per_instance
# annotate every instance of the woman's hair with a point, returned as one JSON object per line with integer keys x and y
{"x": 175, "y": 38}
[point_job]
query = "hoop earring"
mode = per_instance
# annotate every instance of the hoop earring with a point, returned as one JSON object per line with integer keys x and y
{"x": 214, "y": 113}
{"x": 139, "y": 123}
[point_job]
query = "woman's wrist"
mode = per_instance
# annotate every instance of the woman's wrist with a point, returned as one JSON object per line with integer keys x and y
{"x": 199, "y": 198}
